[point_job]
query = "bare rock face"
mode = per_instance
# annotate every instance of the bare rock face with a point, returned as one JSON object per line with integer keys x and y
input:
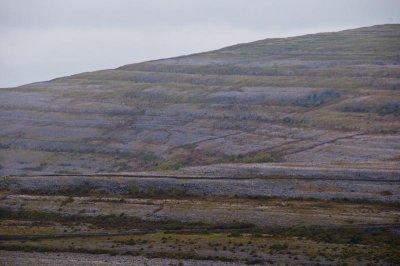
{"x": 322, "y": 100}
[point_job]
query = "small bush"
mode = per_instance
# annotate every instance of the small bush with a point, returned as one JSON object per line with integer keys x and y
{"x": 279, "y": 246}
{"x": 169, "y": 166}
{"x": 66, "y": 201}
{"x": 260, "y": 157}
{"x": 235, "y": 234}
{"x": 386, "y": 193}
{"x": 317, "y": 98}
{"x": 254, "y": 261}
{"x": 133, "y": 191}
{"x": 190, "y": 146}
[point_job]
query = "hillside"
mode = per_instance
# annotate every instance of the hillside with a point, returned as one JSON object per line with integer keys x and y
{"x": 276, "y": 152}
{"x": 322, "y": 100}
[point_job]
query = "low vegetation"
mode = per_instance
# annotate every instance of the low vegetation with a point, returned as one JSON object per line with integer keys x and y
{"x": 317, "y": 98}
{"x": 388, "y": 108}
{"x": 259, "y": 157}
{"x": 135, "y": 192}
{"x": 239, "y": 243}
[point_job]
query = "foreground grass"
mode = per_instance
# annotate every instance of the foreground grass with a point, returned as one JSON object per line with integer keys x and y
{"x": 247, "y": 248}
{"x": 238, "y": 242}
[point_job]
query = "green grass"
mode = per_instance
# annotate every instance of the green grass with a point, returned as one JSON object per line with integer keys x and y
{"x": 169, "y": 166}
{"x": 259, "y": 157}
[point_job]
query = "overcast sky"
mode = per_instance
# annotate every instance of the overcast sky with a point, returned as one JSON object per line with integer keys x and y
{"x": 45, "y": 39}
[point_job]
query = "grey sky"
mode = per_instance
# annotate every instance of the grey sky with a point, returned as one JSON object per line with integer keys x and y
{"x": 45, "y": 39}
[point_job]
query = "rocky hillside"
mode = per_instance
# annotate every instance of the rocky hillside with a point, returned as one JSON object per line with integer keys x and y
{"x": 321, "y": 100}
